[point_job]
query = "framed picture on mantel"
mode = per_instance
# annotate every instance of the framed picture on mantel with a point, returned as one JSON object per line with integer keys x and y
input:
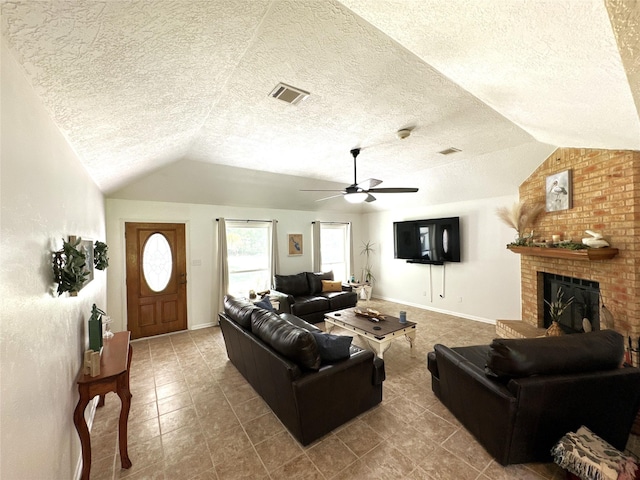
{"x": 558, "y": 191}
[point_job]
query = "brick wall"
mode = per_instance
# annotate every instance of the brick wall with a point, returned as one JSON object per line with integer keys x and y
{"x": 606, "y": 199}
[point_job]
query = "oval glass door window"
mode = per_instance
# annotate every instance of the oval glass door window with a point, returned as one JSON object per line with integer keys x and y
{"x": 157, "y": 262}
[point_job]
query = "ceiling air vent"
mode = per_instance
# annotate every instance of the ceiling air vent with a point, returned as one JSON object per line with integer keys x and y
{"x": 289, "y": 94}
{"x": 449, "y": 151}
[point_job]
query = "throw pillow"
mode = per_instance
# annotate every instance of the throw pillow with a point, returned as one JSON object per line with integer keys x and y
{"x": 265, "y": 303}
{"x": 315, "y": 280}
{"x": 331, "y": 286}
{"x": 332, "y": 347}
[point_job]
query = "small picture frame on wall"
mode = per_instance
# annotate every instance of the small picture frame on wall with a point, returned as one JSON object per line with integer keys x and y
{"x": 295, "y": 244}
{"x": 558, "y": 191}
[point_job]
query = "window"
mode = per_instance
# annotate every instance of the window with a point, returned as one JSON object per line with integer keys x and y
{"x": 249, "y": 256}
{"x": 335, "y": 249}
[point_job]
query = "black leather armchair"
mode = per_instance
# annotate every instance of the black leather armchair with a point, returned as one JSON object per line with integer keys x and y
{"x": 303, "y": 296}
{"x": 518, "y": 397}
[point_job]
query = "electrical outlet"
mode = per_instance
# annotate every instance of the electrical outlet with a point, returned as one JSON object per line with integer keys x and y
{"x": 459, "y": 299}
{"x": 424, "y": 294}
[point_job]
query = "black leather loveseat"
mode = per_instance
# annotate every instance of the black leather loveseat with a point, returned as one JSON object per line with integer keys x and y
{"x": 280, "y": 357}
{"x": 306, "y": 296}
{"x": 518, "y": 397}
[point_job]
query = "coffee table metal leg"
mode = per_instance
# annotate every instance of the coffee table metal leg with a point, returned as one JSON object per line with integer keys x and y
{"x": 410, "y": 337}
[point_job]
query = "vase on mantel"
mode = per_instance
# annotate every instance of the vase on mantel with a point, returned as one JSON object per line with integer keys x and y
{"x": 554, "y": 330}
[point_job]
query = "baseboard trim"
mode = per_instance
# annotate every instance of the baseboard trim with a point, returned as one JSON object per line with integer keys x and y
{"x": 439, "y": 310}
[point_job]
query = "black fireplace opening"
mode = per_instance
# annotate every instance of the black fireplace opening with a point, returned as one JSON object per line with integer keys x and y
{"x": 586, "y": 301}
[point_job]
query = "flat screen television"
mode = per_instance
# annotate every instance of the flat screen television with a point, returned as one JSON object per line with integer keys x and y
{"x": 432, "y": 241}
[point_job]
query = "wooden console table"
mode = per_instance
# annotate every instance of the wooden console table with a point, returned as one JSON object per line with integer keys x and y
{"x": 114, "y": 377}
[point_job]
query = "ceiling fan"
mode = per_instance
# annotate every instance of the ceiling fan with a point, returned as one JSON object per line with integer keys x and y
{"x": 361, "y": 192}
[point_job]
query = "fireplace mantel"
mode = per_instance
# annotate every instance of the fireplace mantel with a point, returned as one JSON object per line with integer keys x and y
{"x": 587, "y": 254}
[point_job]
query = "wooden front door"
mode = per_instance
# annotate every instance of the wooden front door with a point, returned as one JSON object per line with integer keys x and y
{"x": 156, "y": 278}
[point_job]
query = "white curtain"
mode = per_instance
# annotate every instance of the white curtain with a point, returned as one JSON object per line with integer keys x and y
{"x": 315, "y": 246}
{"x": 350, "y": 244}
{"x": 223, "y": 266}
{"x": 275, "y": 260}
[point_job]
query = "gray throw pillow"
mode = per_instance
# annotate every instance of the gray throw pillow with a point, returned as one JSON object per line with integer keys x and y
{"x": 332, "y": 348}
{"x": 265, "y": 303}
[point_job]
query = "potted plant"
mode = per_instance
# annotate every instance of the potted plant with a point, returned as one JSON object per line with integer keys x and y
{"x": 70, "y": 267}
{"x": 367, "y": 273}
{"x": 556, "y": 309}
{"x": 100, "y": 258}
{"x": 521, "y": 217}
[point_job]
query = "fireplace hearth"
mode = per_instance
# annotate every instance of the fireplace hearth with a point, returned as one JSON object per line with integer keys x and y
{"x": 586, "y": 301}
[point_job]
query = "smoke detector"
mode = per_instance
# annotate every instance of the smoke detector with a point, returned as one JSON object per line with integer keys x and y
{"x": 404, "y": 133}
{"x": 289, "y": 94}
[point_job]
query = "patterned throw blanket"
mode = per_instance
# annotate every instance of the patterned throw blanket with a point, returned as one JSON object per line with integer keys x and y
{"x": 589, "y": 457}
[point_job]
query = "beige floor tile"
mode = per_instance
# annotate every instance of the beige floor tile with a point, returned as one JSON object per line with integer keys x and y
{"x": 443, "y": 464}
{"x": 243, "y": 465}
{"x": 212, "y": 402}
{"x": 250, "y": 409}
{"x": 438, "y": 429}
{"x": 142, "y": 411}
{"x": 142, "y": 456}
{"x": 179, "y": 418}
{"x": 359, "y": 437}
{"x": 358, "y": 470}
{"x": 174, "y": 402}
{"x": 224, "y": 444}
{"x": 331, "y": 456}
{"x": 495, "y": 471}
{"x": 278, "y": 450}
{"x": 463, "y": 445}
{"x": 298, "y": 468}
{"x": 142, "y": 431}
{"x": 171, "y": 389}
{"x": 263, "y": 427}
{"x": 388, "y": 462}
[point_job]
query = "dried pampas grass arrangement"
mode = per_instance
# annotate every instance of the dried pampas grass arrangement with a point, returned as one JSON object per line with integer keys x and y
{"x": 521, "y": 216}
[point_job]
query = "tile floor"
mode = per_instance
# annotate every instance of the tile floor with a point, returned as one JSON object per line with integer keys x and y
{"x": 193, "y": 416}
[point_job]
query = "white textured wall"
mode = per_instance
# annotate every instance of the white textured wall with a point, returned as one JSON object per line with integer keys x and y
{"x": 46, "y": 195}
{"x": 484, "y": 286}
{"x": 201, "y": 247}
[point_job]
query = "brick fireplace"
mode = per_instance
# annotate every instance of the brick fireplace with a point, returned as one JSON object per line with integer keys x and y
{"x": 606, "y": 199}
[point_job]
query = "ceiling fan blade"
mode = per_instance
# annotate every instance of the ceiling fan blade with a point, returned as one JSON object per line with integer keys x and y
{"x": 369, "y": 183}
{"x": 323, "y": 190}
{"x": 327, "y": 198}
{"x": 393, "y": 190}
{"x": 370, "y": 199}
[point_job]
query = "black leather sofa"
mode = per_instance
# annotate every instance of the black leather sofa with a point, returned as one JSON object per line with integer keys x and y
{"x": 518, "y": 397}
{"x": 302, "y": 295}
{"x": 280, "y": 358}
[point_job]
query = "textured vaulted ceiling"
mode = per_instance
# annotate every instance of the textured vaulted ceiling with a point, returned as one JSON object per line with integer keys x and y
{"x": 156, "y": 93}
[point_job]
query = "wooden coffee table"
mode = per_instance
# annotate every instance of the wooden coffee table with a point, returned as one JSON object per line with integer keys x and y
{"x": 378, "y": 339}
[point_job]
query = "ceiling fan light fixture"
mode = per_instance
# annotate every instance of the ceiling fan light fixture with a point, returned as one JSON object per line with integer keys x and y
{"x": 357, "y": 197}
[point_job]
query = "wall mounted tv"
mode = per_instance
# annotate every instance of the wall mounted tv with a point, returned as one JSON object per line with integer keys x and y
{"x": 427, "y": 241}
